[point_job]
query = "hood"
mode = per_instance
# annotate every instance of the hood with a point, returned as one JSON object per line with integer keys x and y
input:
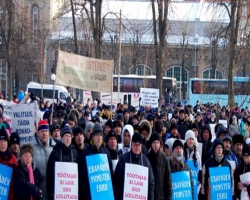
{"x": 143, "y": 123}
{"x": 130, "y": 130}
{"x": 217, "y": 142}
{"x": 207, "y": 127}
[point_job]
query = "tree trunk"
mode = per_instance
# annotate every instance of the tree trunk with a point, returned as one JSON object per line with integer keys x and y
{"x": 74, "y": 26}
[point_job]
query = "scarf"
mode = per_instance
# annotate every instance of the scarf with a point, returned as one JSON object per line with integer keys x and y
{"x": 31, "y": 177}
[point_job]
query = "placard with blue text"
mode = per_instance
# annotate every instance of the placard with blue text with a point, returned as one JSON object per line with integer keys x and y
{"x": 181, "y": 186}
{"x": 6, "y": 174}
{"x": 194, "y": 171}
{"x": 220, "y": 183}
{"x": 99, "y": 177}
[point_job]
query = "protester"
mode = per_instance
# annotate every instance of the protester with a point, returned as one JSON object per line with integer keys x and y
{"x": 14, "y": 144}
{"x": 161, "y": 170}
{"x": 78, "y": 140}
{"x": 28, "y": 180}
{"x": 168, "y": 147}
{"x": 238, "y": 141}
{"x": 88, "y": 131}
{"x": 127, "y": 134}
{"x": 234, "y": 127}
{"x": 134, "y": 156}
{"x": 63, "y": 151}
{"x": 206, "y": 143}
{"x": 182, "y": 124}
{"x": 55, "y": 132}
{"x": 43, "y": 146}
{"x": 229, "y": 155}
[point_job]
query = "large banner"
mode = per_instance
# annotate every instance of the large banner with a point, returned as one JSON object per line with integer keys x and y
{"x": 6, "y": 174}
{"x": 135, "y": 182}
{"x": 245, "y": 179}
{"x": 149, "y": 97}
{"x": 66, "y": 181}
{"x": 23, "y": 121}
{"x": 220, "y": 183}
{"x": 181, "y": 186}
{"x": 7, "y": 111}
{"x": 99, "y": 177}
{"x": 84, "y": 73}
{"x": 194, "y": 171}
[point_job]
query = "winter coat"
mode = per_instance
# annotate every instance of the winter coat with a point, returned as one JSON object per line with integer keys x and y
{"x": 206, "y": 145}
{"x": 9, "y": 160}
{"x": 22, "y": 186}
{"x": 60, "y": 153}
{"x": 84, "y": 189}
{"x": 182, "y": 127}
{"x": 162, "y": 175}
{"x": 119, "y": 175}
{"x": 146, "y": 142}
{"x": 240, "y": 169}
{"x": 234, "y": 129}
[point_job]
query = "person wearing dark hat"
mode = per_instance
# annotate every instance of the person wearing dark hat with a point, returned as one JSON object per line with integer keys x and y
{"x": 158, "y": 127}
{"x": 28, "y": 180}
{"x": 136, "y": 120}
{"x": 195, "y": 128}
{"x": 61, "y": 116}
{"x": 14, "y": 144}
{"x": 78, "y": 140}
{"x": 108, "y": 127}
{"x": 218, "y": 159}
{"x": 127, "y": 119}
{"x": 238, "y": 141}
{"x": 120, "y": 118}
{"x": 241, "y": 169}
{"x": 88, "y": 131}
{"x": 227, "y": 142}
{"x": 118, "y": 130}
{"x": 86, "y": 116}
{"x": 55, "y": 132}
{"x": 106, "y": 113}
{"x": 6, "y": 157}
{"x": 161, "y": 169}
{"x": 174, "y": 131}
{"x": 221, "y": 131}
{"x": 134, "y": 156}
{"x": 73, "y": 118}
{"x": 206, "y": 139}
{"x": 63, "y": 151}
{"x": 96, "y": 147}
{"x": 182, "y": 124}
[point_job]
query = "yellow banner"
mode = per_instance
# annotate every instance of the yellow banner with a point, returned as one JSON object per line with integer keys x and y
{"x": 84, "y": 73}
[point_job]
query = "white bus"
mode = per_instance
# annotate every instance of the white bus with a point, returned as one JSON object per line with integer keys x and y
{"x": 60, "y": 91}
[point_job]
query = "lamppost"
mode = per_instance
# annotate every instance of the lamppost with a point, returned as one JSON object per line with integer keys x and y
{"x": 53, "y": 78}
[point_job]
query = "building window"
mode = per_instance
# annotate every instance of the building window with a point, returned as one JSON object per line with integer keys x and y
{"x": 244, "y": 10}
{"x": 141, "y": 70}
{"x": 1, "y": 12}
{"x": 35, "y": 24}
{"x": 207, "y": 74}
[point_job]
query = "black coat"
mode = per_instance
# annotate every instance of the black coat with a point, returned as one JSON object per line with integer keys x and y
{"x": 162, "y": 175}
{"x": 119, "y": 175}
{"x": 182, "y": 127}
{"x": 84, "y": 189}
{"x": 60, "y": 153}
{"x": 22, "y": 186}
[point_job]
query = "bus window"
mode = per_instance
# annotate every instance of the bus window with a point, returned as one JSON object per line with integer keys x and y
{"x": 63, "y": 95}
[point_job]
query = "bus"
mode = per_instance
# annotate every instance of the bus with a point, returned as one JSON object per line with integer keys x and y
{"x": 60, "y": 91}
{"x": 130, "y": 89}
{"x": 214, "y": 90}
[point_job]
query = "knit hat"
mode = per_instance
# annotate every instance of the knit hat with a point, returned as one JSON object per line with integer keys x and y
{"x": 136, "y": 117}
{"x": 66, "y": 129}
{"x": 97, "y": 129}
{"x": 159, "y": 126}
{"x": 238, "y": 139}
{"x": 43, "y": 125}
{"x": 136, "y": 128}
{"x": 72, "y": 117}
{"x": 217, "y": 142}
{"x": 154, "y": 136}
{"x": 117, "y": 123}
{"x": 54, "y": 126}
{"x": 137, "y": 138}
{"x": 111, "y": 134}
{"x": 182, "y": 111}
{"x": 169, "y": 142}
{"x": 88, "y": 126}
{"x": 173, "y": 125}
{"x": 246, "y": 150}
{"x": 195, "y": 126}
{"x": 120, "y": 117}
{"x": 227, "y": 138}
{"x": 190, "y": 134}
{"x": 177, "y": 143}
{"x": 109, "y": 123}
{"x": 14, "y": 139}
{"x": 26, "y": 148}
{"x": 77, "y": 130}
{"x": 150, "y": 116}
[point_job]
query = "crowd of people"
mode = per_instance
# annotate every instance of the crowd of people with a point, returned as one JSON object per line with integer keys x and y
{"x": 163, "y": 141}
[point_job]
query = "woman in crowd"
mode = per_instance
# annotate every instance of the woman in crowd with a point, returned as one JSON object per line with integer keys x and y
{"x": 234, "y": 127}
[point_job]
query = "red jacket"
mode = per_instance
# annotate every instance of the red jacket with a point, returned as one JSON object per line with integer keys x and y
{"x": 10, "y": 160}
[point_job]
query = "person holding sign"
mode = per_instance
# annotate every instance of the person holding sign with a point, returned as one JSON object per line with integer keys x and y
{"x": 218, "y": 160}
{"x": 241, "y": 169}
{"x": 96, "y": 147}
{"x": 161, "y": 169}
{"x": 134, "y": 156}
{"x": 64, "y": 151}
{"x": 28, "y": 180}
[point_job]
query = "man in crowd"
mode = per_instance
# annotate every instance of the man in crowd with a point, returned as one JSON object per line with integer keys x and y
{"x": 55, "y": 132}
{"x": 78, "y": 140}
{"x": 182, "y": 124}
{"x": 14, "y": 144}
{"x": 238, "y": 141}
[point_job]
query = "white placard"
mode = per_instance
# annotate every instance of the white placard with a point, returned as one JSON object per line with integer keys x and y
{"x": 23, "y": 121}
{"x": 135, "y": 182}
{"x": 66, "y": 180}
{"x": 244, "y": 179}
{"x": 149, "y": 97}
{"x": 224, "y": 122}
{"x": 233, "y": 164}
{"x": 7, "y": 111}
{"x": 170, "y": 116}
{"x": 114, "y": 163}
{"x": 212, "y": 126}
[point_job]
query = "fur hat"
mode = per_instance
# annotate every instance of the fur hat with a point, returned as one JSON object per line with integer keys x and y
{"x": 43, "y": 125}
{"x": 238, "y": 139}
{"x": 14, "y": 139}
{"x": 66, "y": 129}
{"x": 177, "y": 143}
{"x": 97, "y": 129}
{"x": 26, "y": 148}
